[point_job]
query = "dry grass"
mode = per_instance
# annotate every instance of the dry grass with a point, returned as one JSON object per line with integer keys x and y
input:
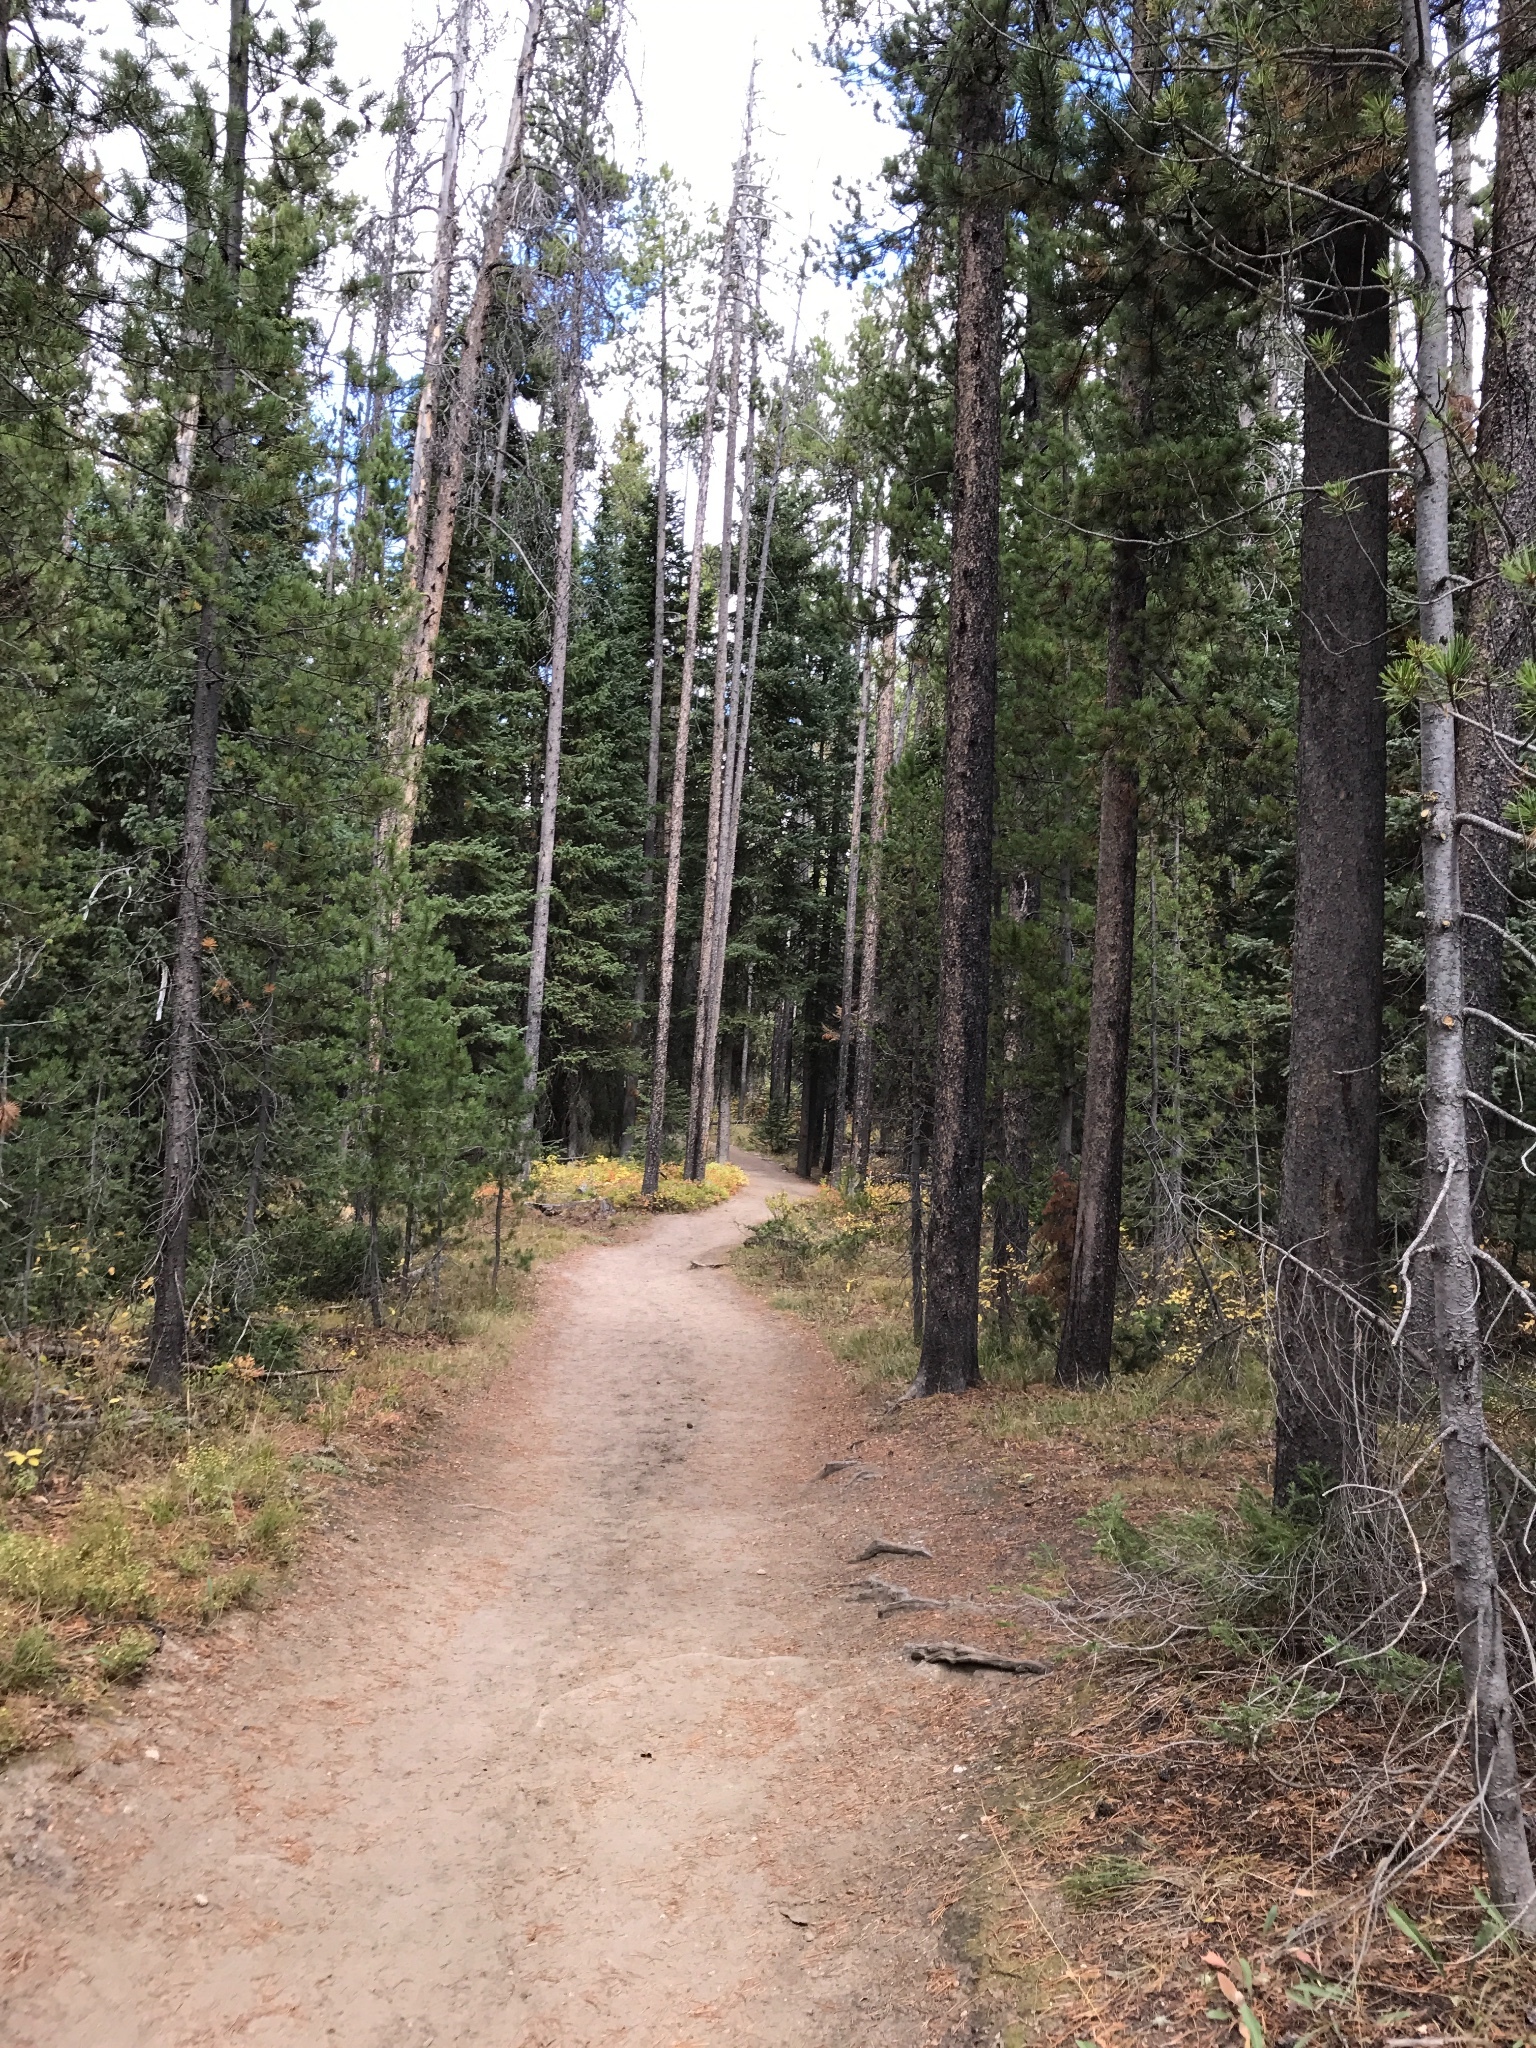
{"x": 123, "y": 1515}
{"x": 618, "y": 1183}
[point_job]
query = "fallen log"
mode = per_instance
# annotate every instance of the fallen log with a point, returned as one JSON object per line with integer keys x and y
{"x": 965, "y": 1657}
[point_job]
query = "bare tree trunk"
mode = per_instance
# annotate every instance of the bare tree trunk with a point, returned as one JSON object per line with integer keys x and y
{"x": 555, "y": 718}
{"x": 418, "y": 504}
{"x": 413, "y": 678}
{"x": 1328, "y": 1214}
{"x": 698, "y": 1094}
{"x": 864, "y": 1043}
{"x": 743, "y": 681}
{"x": 653, "y": 755}
{"x": 1451, "y": 1241}
{"x": 1088, "y": 1320}
{"x": 656, "y": 1122}
{"x": 949, "y": 1360}
{"x": 845, "y": 1020}
{"x": 179, "y": 1170}
{"x": 1500, "y": 621}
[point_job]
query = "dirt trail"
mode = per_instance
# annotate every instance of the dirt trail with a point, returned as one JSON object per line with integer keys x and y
{"x": 576, "y": 1744}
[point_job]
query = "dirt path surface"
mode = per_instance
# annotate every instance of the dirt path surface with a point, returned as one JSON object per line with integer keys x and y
{"x": 576, "y": 1742}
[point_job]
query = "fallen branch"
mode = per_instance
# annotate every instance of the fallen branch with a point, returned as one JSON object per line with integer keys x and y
{"x": 882, "y": 1546}
{"x": 964, "y": 1656}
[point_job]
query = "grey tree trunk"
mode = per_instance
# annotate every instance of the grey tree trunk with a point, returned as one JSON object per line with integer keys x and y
{"x": 845, "y": 1020}
{"x": 413, "y": 677}
{"x": 538, "y": 954}
{"x": 446, "y": 241}
{"x": 864, "y": 1043}
{"x": 1328, "y": 1209}
{"x": 656, "y": 1121}
{"x": 179, "y": 1156}
{"x": 1450, "y": 1241}
{"x": 949, "y": 1362}
{"x": 699, "y": 1102}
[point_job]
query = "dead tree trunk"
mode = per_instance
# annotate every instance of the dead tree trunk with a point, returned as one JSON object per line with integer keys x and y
{"x": 845, "y": 1022}
{"x": 699, "y": 1104}
{"x": 424, "y": 450}
{"x": 555, "y": 717}
{"x": 1450, "y": 1241}
{"x": 949, "y": 1360}
{"x": 656, "y": 1122}
{"x": 413, "y": 678}
{"x": 168, "y": 1328}
{"x": 1328, "y": 1214}
{"x": 1088, "y": 1320}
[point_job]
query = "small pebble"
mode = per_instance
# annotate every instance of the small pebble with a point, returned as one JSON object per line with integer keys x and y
{"x": 199, "y": 1898}
{"x": 152, "y": 1756}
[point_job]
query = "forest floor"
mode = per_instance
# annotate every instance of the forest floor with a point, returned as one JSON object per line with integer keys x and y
{"x": 571, "y": 1731}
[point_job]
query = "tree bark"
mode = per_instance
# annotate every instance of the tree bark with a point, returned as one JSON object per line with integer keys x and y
{"x": 446, "y": 241}
{"x": 413, "y": 677}
{"x": 699, "y": 1103}
{"x": 1088, "y": 1320}
{"x": 1328, "y": 1209}
{"x": 179, "y": 1170}
{"x": 864, "y": 1044}
{"x": 949, "y": 1357}
{"x": 1010, "y": 1202}
{"x": 845, "y": 1018}
{"x": 1500, "y": 618}
{"x": 555, "y": 718}
{"x": 1457, "y": 1347}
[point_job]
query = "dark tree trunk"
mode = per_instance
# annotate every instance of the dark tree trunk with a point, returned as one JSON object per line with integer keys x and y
{"x": 1010, "y": 1203}
{"x": 168, "y": 1329}
{"x": 1500, "y": 620}
{"x": 1088, "y": 1320}
{"x": 1328, "y": 1214}
{"x": 949, "y": 1361}
{"x": 810, "y": 1109}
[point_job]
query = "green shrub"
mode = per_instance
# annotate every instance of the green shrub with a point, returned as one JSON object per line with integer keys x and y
{"x": 30, "y": 1664}
{"x": 127, "y": 1658}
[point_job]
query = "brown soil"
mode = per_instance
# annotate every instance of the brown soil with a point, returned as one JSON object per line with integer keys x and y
{"x": 568, "y": 1737}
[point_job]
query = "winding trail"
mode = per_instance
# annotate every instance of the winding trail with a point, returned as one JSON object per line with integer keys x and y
{"x": 575, "y": 1744}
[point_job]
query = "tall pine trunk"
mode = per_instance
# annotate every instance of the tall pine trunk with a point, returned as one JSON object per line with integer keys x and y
{"x": 869, "y": 952}
{"x": 1499, "y": 617}
{"x": 179, "y": 1170}
{"x": 1010, "y": 1202}
{"x": 845, "y": 1018}
{"x": 1450, "y": 1240}
{"x": 658, "y": 685}
{"x": 538, "y": 955}
{"x": 1088, "y": 1320}
{"x": 1328, "y": 1211}
{"x": 949, "y": 1356}
{"x": 699, "y": 1103}
{"x": 656, "y": 1121}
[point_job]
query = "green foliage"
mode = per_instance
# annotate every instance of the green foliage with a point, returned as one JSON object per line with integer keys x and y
{"x": 127, "y": 1657}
